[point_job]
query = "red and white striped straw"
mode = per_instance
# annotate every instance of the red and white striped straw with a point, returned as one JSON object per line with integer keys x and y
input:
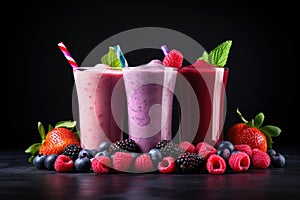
{"x": 67, "y": 55}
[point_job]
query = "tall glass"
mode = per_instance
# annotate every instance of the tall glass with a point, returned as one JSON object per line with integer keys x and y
{"x": 201, "y": 94}
{"x": 149, "y": 90}
{"x": 101, "y": 95}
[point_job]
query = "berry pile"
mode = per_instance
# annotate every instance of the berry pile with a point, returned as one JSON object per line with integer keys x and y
{"x": 123, "y": 156}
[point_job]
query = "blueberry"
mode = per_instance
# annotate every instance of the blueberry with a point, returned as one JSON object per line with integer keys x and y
{"x": 103, "y": 153}
{"x": 49, "y": 161}
{"x": 224, "y": 153}
{"x": 155, "y": 155}
{"x": 38, "y": 161}
{"x": 234, "y": 152}
{"x": 83, "y": 164}
{"x": 134, "y": 154}
{"x": 271, "y": 152}
{"x": 278, "y": 160}
{"x": 104, "y": 146}
{"x": 225, "y": 144}
{"x": 86, "y": 153}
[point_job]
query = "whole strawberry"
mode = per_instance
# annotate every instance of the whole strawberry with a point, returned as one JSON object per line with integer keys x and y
{"x": 253, "y": 133}
{"x": 55, "y": 141}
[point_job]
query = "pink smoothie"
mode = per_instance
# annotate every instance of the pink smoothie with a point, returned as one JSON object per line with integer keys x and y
{"x": 149, "y": 89}
{"x": 208, "y": 85}
{"x": 101, "y": 96}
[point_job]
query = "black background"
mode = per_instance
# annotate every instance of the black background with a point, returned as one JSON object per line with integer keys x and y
{"x": 37, "y": 80}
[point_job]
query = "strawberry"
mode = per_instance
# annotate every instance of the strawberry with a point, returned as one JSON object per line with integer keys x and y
{"x": 173, "y": 59}
{"x": 55, "y": 141}
{"x": 253, "y": 133}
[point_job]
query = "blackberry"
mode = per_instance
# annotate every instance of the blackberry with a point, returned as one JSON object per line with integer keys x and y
{"x": 123, "y": 145}
{"x": 168, "y": 148}
{"x": 190, "y": 162}
{"x": 72, "y": 151}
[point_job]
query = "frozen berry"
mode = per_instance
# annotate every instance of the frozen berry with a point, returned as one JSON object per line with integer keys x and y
{"x": 143, "y": 163}
{"x": 173, "y": 59}
{"x": 239, "y": 162}
{"x": 86, "y": 153}
{"x": 187, "y": 147}
{"x": 205, "y": 149}
{"x": 49, "y": 161}
{"x": 167, "y": 165}
{"x": 277, "y": 160}
{"x": 225, "y": 144}
{"x": 103, "y": 153}
{"x": 190, "y": 162}
{"x": 244, "y": 148}
{"x": 104, "y": 145}
{"x": 260, "y": 159}
{"x": 101, "y": 164}
{"x": 155, "y": 155}
{"x": 224, "y": 153}
{"x": 215, "y": 164}
{"x": 122, "y": 161}
{"x": 38, "y": 161}
{"x": 63, "y": 163}
{"x": 83, "y": 164}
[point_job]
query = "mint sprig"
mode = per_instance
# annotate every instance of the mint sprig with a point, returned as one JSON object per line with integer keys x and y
{"x": 219, "y": 55}
{"x": 111, "y": 59}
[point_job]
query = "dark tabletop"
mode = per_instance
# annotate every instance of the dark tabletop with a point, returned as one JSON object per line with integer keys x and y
{"x": 20, "y": 180}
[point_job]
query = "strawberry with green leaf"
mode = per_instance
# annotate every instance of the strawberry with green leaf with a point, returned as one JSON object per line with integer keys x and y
{"x": 253, "y": 133}
{"x": 55, "y": 140}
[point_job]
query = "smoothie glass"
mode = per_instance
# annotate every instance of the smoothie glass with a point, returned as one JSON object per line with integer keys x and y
{"x": 202, "y": 117}
{"x": 149, "y": 90}
{"x": 101, "y": 95}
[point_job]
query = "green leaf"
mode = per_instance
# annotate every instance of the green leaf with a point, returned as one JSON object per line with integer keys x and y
{"x": 41, "y": 130}
{"x": 77, "y": 135}
{"x": 269, "y": 140}
{"x": 66, "y": 124}
{"x": 259, "y": 120}
{"x": 205, "y": 57}
{"x": 219, "y": 55}
{"x": 31, "y": 158}
{"x": 273, "y": 131}
{"x": 111, "y": 59}
{"x": 50, "y": 127}
{"x": 33, "y": 149}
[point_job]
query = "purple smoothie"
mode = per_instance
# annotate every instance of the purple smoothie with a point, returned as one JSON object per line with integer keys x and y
{"x": 149, "y": 90}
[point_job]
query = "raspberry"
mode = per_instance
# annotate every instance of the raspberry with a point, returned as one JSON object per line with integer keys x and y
{"x": 260, "y": 159}
{"x": 244, "y": 148}
{"x": 63, "y": 163}
{"x": 205, "y": 149}
{"x": 167, "y": 165}
{"x": 173, "y": 59}
{"x": 122, "y": 161}
{"x": 187, "y": 146}
{"x": 143, "y": 163}
{"x": 215, "y": 164}
{"x": 101, "y": 164}
{"x": 239, "y": 162}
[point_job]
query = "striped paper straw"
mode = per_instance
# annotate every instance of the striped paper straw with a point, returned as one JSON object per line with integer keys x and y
{"x": 120, "y": 55}
{"x": 67, "y": 55}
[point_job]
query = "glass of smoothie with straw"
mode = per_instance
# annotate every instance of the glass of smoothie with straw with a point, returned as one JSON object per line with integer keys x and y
{"x": 100, "y": 95}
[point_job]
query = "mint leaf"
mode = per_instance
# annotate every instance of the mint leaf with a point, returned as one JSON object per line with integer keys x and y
{"x": 41, "y": 131}
{"x": 33, "y": 149}
{"x": 205, "y": 57}
{"x": 111, "y": 59}
{"x": 219, "y": 55}
{"x": 66, "y": 124}
{"x": 273, "y": 131}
